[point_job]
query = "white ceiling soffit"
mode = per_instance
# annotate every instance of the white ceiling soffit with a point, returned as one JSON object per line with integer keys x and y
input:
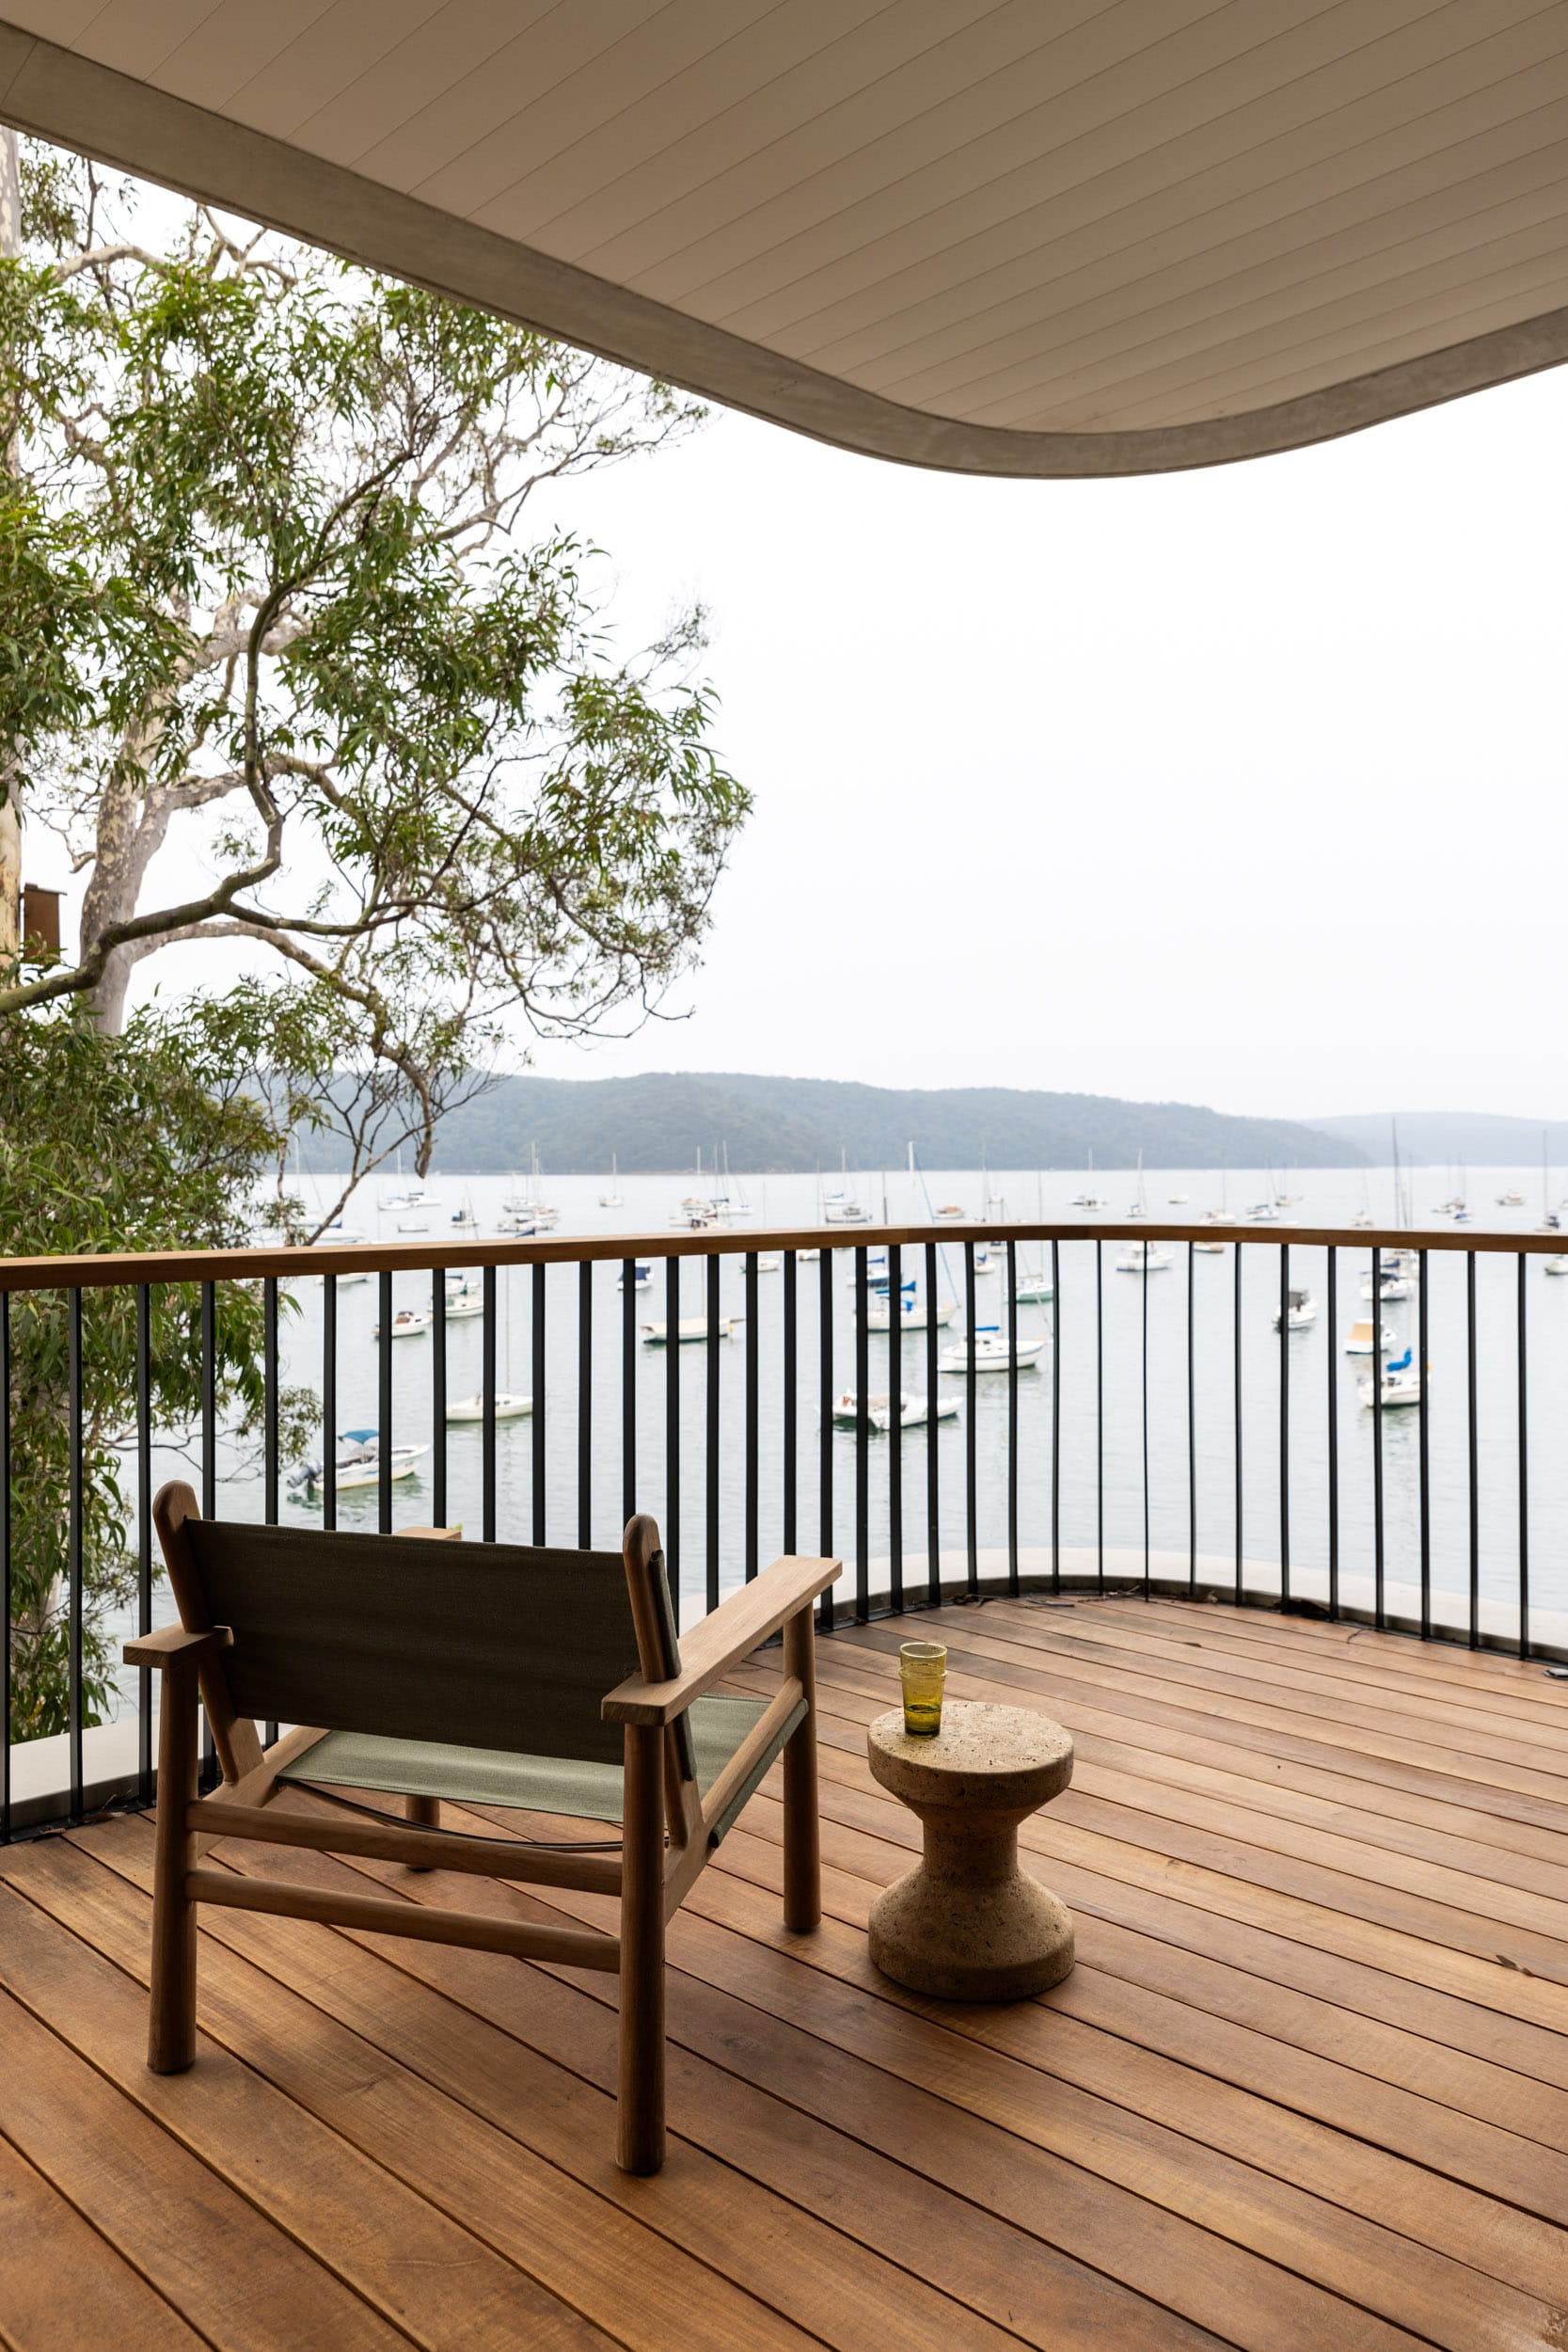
{"x": 1044, "y": 237}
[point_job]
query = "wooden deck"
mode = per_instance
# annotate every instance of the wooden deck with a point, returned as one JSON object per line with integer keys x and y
{"x": 1308, "y": 2087}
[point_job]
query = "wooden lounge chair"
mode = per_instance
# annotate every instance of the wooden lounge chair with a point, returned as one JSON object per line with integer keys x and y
{"x": 487, "y": 1673}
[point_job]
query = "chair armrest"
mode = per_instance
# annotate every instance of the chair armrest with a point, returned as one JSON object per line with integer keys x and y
{"x": 173, "y": 1644}
{"x": 720, "y": 1639}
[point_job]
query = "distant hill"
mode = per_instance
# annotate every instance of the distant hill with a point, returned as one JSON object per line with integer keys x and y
{"x": 1451, "y": 1138}
{"x": 780, "y": 1126}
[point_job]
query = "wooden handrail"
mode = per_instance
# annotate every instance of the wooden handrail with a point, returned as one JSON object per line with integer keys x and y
{"x": 112, "y": 1268}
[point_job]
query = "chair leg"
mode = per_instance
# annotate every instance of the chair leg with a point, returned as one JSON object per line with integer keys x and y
{"x": 172, "y": 2030}
{"x": 426, "y": 1811}
{"x": 802, "y": 1857}
{"x": 640, "y": 2112}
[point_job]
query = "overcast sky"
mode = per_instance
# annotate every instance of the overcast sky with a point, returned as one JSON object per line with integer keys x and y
{"x": 1242, "y": 787}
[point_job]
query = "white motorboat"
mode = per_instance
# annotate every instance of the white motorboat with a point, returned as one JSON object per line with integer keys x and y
{"x": 1086, "y": 1201}
{"x": 1389, "y": 1286}
{"x": 1176, "y": 1199}
{"x": 1262, "y": 1212}
{"x": 1033, "y": 1287}
{"x": 642, "y": 1275}
{"x": 913, "y": 1411}
{"x": 508, "y": 1407}
{"x": 1555, "y": 1265}
{"x": 807, "y": 1257}
{"x": 1361, "y": 1338}
{"x": 1400, "y": 1384}
{"x": 360, "y": 1465}
{"x": 465, "y": 1301}
{"x": 771, "y": 1261}
{"x": 1511, "y": 1199}
{"x": 611, "y": 1200}
{"x": 690, "y": 1331}
{"x": 413, "y": 1225}
{"x": 1301, "y": 1310}
{"x": 1144, "y": 1257}
{"x": 407, "y": 1324}
{"x": 840, "y": 1208}
{"x": 950, "y": 1213}
{"x": 989, "y": 1352}
{"x": 1209, "y": 1248}
{"x": 518, "y": 1223}
{"x": 338, "y": 1235}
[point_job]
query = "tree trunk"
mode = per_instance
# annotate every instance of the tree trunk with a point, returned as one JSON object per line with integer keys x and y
{"x": 10, "y": 782}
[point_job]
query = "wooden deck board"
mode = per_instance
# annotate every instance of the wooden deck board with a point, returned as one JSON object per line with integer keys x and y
{"x": 1307, "y": 2085}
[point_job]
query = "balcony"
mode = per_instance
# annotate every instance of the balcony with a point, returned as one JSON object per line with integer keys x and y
{"x": 1309, "y": 2082}
{"x": 1307, "y": 2085}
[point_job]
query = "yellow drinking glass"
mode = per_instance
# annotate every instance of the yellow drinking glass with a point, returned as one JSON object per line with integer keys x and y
{"x": 922, "y": 1670}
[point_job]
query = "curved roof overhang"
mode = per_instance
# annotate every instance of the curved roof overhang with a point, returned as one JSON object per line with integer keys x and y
{"x": 1033, "y": 238}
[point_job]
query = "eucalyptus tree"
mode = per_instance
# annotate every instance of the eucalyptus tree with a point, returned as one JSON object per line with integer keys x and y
{"x": 291, "y": 665}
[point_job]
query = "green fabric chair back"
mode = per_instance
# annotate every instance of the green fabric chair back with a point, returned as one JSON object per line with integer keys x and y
{"x": 489, "y": 1646}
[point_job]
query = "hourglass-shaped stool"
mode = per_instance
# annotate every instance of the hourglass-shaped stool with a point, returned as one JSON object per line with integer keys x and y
{"x": 966, "y": 1924}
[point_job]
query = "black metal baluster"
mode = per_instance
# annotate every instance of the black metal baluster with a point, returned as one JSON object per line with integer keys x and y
{"x": 209, "y": 1458}
{"x": 1056, "y": 1417}
{"x": 629, "y": 1390}
{"x": 1475, "y": 1447}
{"x": 209, "y": 1402}
{"x": 269, "y": 1399}
{"x": 713, "y": 1429}
{"x": 1142, "y": 1306}
{"x": 1236, "y": 1347}
{"x": 1099, "y": 1414}
{"x": 384, "y": 1411}
{"x": 490, "y": 1315}
{"x": 791, "y": 1398}
{"x": 74, "y": 1535}
{"x": 540, "y": 1399}
{"x": 6, "y": 1573}
{"x": 1377, "y": 1438}
{"x": 1524, "y": 1462}
{"x": 825, "y": 1405}
{"x": 933, "y": 1487}
{"x": 896, "y": 1427}
{"x": 1285, "y": 1422}
{"x": 1012, "y": 1416}
{"x": 753, "y": 1341}
{"x": 269, "y": 1417}
{"x": 1332, "y": 1432}
{"x": 971, "y": 1458}
{"x": 585, "y": 1402}
{"x": 330, "y": 1400}
{"x": 1192, "y": 1436}
{"x": 863, "y": 1428}
{"x": 1425, "y": 1463}
{"x": 672, "y": 1432}
{"x": 438, "y": 1394}
{"x": 144, "y": 1536}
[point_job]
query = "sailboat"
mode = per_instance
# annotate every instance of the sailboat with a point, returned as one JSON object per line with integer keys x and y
{"x": 1034, "y": 1283}
{"x": 1088, "y": 1198}
{"x": 844, "y": 1207}
{"x": 988, "y": 1350}
{"x": 611, "y": 1200}
{"x": 509, "y": 1404}
{"x": 1144, "y": 1257}
{"x": 1140, "y": 1206}
{"x": 1399, "y": 1384}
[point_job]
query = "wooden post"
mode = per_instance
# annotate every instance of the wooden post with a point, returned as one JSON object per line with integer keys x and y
{"x": 641, "y": 2116}
{"x": 802, "y": 1860}
{"x": 171, "y": 2033}
{"x": 427, "y": 1812}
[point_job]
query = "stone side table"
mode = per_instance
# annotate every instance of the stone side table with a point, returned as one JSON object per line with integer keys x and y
{"x": 966, "y": 1924}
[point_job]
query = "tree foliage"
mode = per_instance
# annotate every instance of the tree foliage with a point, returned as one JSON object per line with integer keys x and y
{"x": 144, "y": 1135}
{"x": 272, "y": 609}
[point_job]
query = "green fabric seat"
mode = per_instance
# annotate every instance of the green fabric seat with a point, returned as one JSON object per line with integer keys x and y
{"x": 535, "y": 1783}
